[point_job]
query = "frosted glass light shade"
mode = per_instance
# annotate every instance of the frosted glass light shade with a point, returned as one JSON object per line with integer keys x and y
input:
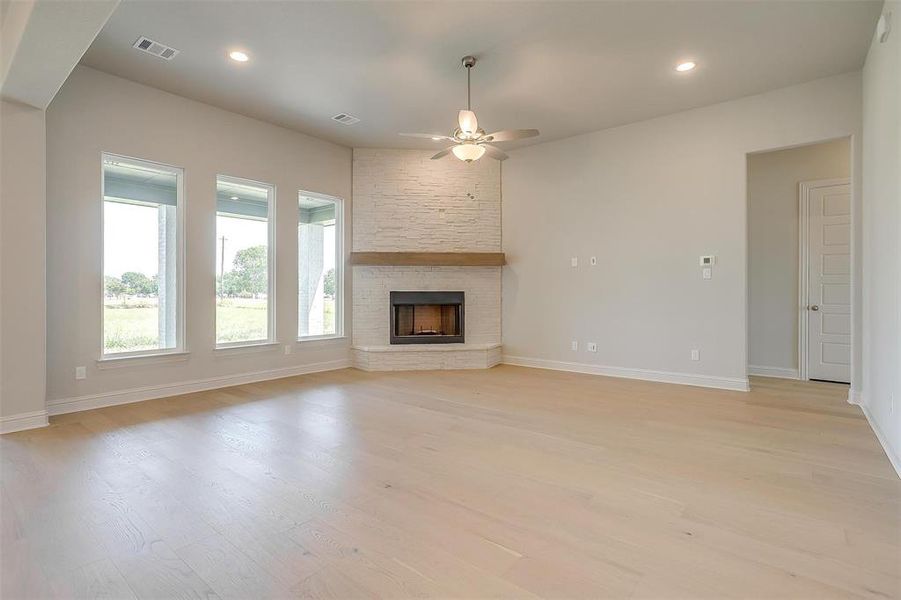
{"x": 468, "y": 122}
{"x": 468, "y": 152}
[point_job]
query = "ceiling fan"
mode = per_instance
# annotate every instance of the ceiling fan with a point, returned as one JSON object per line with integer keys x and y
{"x": 471, "y": 142}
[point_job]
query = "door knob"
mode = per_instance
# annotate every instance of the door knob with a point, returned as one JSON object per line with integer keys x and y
{"x": 814, "y": 307}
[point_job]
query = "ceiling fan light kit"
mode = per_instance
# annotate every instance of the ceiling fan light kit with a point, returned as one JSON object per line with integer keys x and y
{"x": 469, "y": 125}
{"x": 471, "y": 142}
{"x": 468, "y": 152}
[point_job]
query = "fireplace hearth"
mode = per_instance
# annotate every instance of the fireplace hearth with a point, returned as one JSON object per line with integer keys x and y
{"x": 426, "y": 317}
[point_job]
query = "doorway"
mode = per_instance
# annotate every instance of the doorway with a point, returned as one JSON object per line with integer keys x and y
{"x": 799, "y": 262}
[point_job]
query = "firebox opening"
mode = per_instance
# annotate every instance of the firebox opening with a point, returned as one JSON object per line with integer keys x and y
{"x": 426, "y": 317}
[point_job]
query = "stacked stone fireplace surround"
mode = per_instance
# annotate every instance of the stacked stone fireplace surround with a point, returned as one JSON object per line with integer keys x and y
{"x": 405, "y": 202}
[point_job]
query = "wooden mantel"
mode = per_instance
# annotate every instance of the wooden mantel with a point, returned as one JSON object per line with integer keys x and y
{"x": 429, "y": 259}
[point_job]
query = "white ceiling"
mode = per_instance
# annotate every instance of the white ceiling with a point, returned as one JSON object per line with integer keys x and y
{"x": 40, "y": 43}
{"x": 565, "y": 68}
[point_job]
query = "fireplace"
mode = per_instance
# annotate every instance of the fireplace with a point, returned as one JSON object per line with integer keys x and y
{"x": 426, "y": 317}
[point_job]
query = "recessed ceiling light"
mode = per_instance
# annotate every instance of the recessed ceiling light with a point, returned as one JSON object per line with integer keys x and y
{"x": 238, "y": 56}
{"x": 233, "y": 198}
{"x": 686, "y": 66}
{"x": 436, "y": 138}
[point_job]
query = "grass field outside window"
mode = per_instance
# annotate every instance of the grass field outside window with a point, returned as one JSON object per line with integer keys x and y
{"x": 132, "y": 324}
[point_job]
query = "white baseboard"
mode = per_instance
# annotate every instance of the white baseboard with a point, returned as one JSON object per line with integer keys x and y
{"x": 883, "y": 440}
{"x": 854, "y": 396}
{"x": 709, "y": 381}
{"x": 62, "y": 406}
{"x": 23, "y": 421}
{"x": 780, "y": 372}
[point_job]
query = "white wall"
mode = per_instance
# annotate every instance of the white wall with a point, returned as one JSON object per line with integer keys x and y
{"x": 773, "y": 179}
{"x": 648, "y": 199}
{"x": 96, "y": 112}
{"x": 22, "y": 261}
{"x": 881, "y": 391}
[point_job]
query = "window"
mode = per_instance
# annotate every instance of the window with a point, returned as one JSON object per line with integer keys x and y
{"x": 319, "y": 260}
{"x": 142, "y": 257}
{"x": 244, "y": 262}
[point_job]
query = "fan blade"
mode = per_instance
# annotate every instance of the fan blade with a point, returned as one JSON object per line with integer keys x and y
{"x": 468, "y": 122}
{"x": 431, "y": 136}
{"x": 494, "y": 153}
{"x": 510, "y": 134}
{"x": 443, "y": 153}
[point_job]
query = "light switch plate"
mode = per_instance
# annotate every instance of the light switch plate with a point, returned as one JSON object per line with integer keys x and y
{"x": 574, "y": 261}
{"x": 707, "y": 273}
{"x": 707, "y": 260}
{"x": 594, "y": 261}
{"x": 695, "y": 354}
{"x": 80, "y": 373}
{"x": 592, "y": 347}
{"x": 575, "y": 346}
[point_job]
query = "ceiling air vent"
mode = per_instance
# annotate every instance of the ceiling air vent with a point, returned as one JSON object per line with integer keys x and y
{"x": 345, "y": 119}
{"x": 155, "y": 48}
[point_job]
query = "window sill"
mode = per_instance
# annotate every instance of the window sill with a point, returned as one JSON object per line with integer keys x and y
{"x": 319, "y": 338}
{"x": 245, "y": 348}
{"x": 112, "y": 362}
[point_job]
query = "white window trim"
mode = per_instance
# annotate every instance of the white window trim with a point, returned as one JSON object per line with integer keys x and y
{"x": 270, "y": 252}
{"x": 180, "y": 346}
{"x": 321, "y": 338}
{"x": 240, "y": 348}
{"x": 125, "y": 360}
{"x": 339, "y": 269}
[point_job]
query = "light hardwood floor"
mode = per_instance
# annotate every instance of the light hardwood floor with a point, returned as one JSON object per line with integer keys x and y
{"x": 509, "y": 482}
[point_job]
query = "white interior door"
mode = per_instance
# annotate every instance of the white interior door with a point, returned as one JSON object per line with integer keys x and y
{"x": 828, "y": 309}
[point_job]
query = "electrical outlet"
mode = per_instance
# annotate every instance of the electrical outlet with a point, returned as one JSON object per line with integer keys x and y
{"x": 287, "y": 348}
{"x": 575, "y": 346}
{"x": 695, "y": 354}
{"x": 81, "y": 373}
{"x": 592, "y": 347}
{"x": 707, "y": 273}
{"x": 574, "y": 262}
{"x": 594, "y": 261}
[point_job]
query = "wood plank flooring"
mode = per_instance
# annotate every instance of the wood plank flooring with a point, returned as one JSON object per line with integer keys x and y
{"x": 510, "y": 482}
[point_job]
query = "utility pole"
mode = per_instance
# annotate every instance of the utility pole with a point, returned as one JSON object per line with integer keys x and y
{"x": 221, "y": 261}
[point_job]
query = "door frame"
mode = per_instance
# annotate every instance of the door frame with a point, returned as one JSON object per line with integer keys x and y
{"x": 804, "y": 190}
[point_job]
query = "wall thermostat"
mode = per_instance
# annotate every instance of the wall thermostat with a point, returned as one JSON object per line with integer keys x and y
{"x": 707, "y": 261}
